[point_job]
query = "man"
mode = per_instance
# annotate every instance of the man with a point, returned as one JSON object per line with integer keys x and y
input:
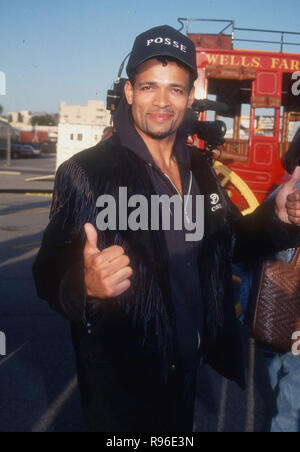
{"x": 146, "y": 304}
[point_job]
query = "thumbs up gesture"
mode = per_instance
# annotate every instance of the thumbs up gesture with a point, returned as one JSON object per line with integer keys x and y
{"x": 107, "y": 272}
{"x": 288, "y": 200}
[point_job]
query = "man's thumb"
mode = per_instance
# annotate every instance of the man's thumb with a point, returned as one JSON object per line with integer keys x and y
{"x": 91, "y": 238}
{"x": 294, "y": 179}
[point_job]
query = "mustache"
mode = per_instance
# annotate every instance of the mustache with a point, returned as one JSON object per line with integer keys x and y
{"x": 161, "y": 111}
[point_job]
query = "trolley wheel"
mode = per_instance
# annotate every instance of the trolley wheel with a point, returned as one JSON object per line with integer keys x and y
{"x": 239, "y": 192}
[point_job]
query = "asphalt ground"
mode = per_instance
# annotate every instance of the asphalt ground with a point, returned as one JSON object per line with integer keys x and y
{"x": 38, "y": 385}
{"x": 28, "y": 175}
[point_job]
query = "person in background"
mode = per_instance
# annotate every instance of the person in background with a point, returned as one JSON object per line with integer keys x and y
{"x": 284, "y": 368}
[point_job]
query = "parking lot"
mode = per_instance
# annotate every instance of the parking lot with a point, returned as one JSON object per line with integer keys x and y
{"x": 37, "y": 374}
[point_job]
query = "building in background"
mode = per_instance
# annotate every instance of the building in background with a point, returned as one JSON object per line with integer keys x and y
{"x": 80, "y": 127}
{"x": 5, "y": 130}
{"x": 37, "y": 128}
{"x": 19, "y": 119}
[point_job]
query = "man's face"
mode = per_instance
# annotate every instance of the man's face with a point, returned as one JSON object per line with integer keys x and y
{"x": 159, "y": 98}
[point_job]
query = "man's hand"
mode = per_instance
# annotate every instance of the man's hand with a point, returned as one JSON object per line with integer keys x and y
{"x": 288, "y": 200}
{"x": 107, "y": 272}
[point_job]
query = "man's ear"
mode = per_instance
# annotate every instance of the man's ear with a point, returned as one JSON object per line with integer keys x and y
{"x": 128, "y": 90}
{"x": 191, "y": 97}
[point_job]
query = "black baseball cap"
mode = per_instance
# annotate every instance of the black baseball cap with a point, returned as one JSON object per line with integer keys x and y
{"x": 163, "y": 41}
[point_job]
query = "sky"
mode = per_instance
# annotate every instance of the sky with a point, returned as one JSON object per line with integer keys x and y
{"x": 71, "y": 50}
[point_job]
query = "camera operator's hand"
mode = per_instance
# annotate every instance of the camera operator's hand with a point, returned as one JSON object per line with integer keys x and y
{"x": 216, "y": 154}
{"x": 107, "y": 272}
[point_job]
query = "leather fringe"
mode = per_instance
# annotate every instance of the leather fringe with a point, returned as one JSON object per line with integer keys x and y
{"x": 78, "y": 206}
{"x": 143, "y": 303}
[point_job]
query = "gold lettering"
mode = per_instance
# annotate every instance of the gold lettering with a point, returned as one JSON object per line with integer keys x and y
{"x": 295, "y": 65}
{"x": 232, "y": 61}
{"x": 244, "y": 62}
{"x": 275, "y": 62}
{"x": 284, "y": 65}
{"x": 212, "y": 59}
{"x": 256, "y": 62}
{"x": 224, "y": 60}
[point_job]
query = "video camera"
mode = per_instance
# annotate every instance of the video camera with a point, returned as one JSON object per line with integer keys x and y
{"x": 115, "y": 94}
{"x": 212, "y": 132}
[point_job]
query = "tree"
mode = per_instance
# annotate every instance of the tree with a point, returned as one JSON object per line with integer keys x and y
{"x": 1, "y": 110}
{"x": 46, "y": 120}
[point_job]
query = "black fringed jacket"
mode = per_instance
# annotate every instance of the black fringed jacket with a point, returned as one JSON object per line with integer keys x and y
{"x": 142, "y": 317}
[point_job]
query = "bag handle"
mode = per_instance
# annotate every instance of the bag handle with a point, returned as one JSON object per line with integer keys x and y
{"x": 296, "y": 259}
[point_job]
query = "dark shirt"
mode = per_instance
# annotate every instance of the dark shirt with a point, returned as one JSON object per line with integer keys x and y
{"x": 182, "y": 254}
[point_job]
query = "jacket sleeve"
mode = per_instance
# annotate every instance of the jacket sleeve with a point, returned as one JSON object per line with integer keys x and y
{"x": 262, "y": 233}
{"x": 59, "y": 268}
